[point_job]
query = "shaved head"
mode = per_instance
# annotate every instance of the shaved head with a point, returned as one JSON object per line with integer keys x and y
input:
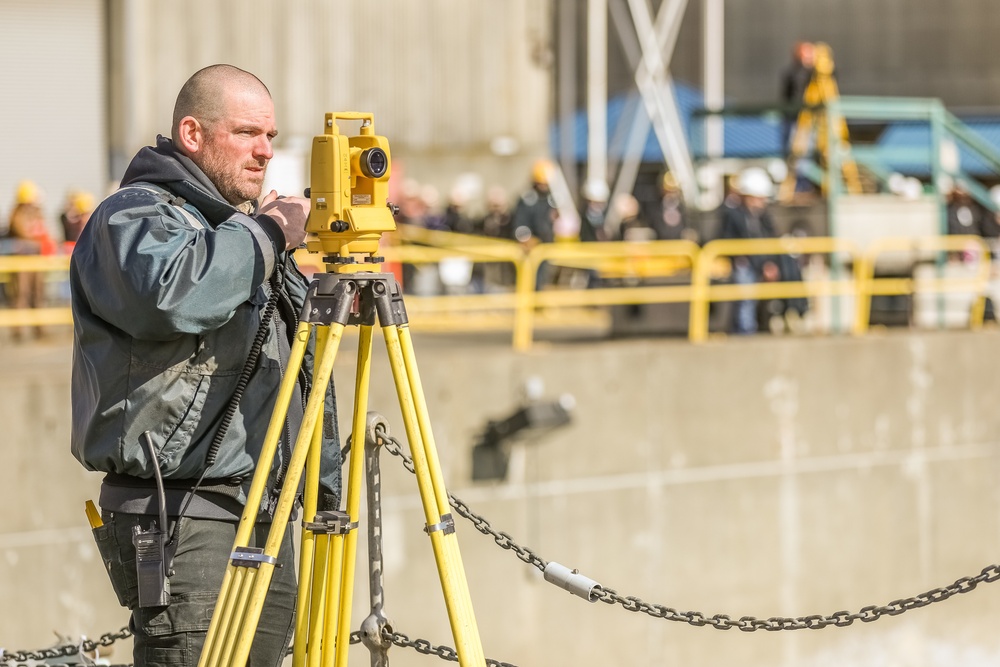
{"x": 224, "y": 122}
{"x": 204, "y": 96}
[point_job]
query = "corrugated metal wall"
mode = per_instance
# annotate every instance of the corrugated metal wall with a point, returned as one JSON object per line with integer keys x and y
{"x": 925, "y": 48}
{"x": 919, "y": 48}
{"x": 443, "y": 77}
{"x": 52, "y": 109}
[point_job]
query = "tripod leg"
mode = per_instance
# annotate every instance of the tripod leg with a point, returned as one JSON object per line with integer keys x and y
{"x": 434, "y": 497}
{"x": 246, "y": 626}
{"x": 226, "y": 605}
{"x": 355, "y": 480}
{"x": 313, "y": 551}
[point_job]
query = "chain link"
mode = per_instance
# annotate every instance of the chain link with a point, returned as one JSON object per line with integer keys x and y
{"x": 632, "y": 603}
{"x": 66, "y": 650}
{"x": 425, "y": 647}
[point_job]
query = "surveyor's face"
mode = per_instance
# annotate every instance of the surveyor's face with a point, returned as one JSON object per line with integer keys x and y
{"x": 238, "y": 146}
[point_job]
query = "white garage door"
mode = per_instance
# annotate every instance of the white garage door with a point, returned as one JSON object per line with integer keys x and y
{"x": 52, "y": 109}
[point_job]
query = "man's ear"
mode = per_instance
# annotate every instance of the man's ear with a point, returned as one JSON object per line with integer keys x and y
{"x": 190, "y": 135}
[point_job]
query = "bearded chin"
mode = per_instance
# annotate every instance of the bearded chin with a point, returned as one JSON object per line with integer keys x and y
{"x": 232, "y": 188}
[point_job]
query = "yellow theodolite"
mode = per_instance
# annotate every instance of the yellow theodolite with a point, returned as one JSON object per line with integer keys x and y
{"x": 811, "y": 124}
{"x": 349, "y": 213}
{"x": 349, "y": 187}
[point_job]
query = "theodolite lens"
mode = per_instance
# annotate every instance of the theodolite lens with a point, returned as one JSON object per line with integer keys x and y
{"x": 374, "y": 162}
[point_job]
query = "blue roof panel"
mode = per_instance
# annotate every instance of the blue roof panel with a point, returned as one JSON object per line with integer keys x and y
{"x": 899, "y": 145}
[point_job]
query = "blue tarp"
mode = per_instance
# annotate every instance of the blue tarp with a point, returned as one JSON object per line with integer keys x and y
{"x": 902, "y": 145}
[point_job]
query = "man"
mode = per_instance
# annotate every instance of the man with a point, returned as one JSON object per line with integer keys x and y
{"x": 794, "y": 81}
{"x": 534, "y": 214}
{"x": 535, "y": 210}
{"x": 750, "y": 220}
{"x": 667, "y": 215}
{"x": 595, "y": 194}
{"x": 29, "y": 235}
{"x": 171, "y": 283}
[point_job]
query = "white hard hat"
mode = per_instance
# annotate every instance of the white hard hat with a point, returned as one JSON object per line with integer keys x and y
{"x": 755, "y": 182}
{"x": 596, "y": 190}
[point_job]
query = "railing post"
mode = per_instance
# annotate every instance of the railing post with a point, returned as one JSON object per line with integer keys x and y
{"x": 526, "y": 271}
{"x": 701, "y": 273}
{"x": 863, "y": 273}
{"x": 978, "y": 312}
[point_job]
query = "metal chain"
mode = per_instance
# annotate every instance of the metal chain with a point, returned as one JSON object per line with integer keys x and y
{"x": 425, "y": 647}
{"x": 838, "y": 619}
{"x": 86, "y": 646}
{"x": 632, "y": 603}
{"x": 504, "y": 540}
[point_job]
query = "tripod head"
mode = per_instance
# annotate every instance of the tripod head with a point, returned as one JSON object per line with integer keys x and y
{"x": 348, "y": 186}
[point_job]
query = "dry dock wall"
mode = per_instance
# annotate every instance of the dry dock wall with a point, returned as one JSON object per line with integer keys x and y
{"x": 766, "y": 477}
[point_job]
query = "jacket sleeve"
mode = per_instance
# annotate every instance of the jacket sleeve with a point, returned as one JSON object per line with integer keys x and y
{"x": 149, "y": 271}
{"x": 729, "y": 229}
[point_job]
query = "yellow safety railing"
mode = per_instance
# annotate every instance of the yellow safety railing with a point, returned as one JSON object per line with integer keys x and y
{"x": 597, "y": 256}
{"x": 861, "y": 282}
{"x": 704, "y": 293}
{"x": 486, "y": 311}
{"x": 870, "y": 285}
{"x": 461, "y": 312}
{"x": 523, "y": 310}
{"x": 22, "y": 317}
{"x": 439, "y": 238}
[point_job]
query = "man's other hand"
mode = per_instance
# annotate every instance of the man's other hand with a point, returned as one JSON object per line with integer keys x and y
{"x": 290, "y": 213}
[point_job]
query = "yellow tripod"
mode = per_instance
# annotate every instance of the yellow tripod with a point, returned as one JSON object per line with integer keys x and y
{"x": 811, "y": 121}
{"x": 349, "y": 214}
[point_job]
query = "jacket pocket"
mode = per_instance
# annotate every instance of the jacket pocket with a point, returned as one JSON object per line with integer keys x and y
{"x": 179, "y": 437}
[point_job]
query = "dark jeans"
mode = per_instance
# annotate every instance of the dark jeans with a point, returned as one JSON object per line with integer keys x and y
{"x": 174, "y": 635}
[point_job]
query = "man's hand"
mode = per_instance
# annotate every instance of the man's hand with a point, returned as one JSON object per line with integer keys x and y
{"x": 290, "y": 213}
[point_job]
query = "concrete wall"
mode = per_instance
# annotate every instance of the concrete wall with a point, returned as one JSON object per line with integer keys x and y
{"x": 756, "y": 477}
{"x": 444, "y": 78}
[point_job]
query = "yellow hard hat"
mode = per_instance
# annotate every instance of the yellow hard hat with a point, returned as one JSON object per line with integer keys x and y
{"x": 540, "y": 172}
{"x": 669, "y": 182}
{"x": 27, "y": 193}
{"x": 82, "y": 202}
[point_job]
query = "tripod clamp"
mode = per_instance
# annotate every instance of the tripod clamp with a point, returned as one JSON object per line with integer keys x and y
{"x": 354, "y": 299}
{"x": 251, "y": 557}
{"x": 331, "y": 522}
{"x": 447, "y": 524}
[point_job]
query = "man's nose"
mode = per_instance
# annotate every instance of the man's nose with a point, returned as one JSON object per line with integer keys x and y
{"x": 263, "y": 148}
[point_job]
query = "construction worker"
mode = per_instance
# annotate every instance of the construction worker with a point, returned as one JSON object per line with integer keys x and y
{"x": 794, "y": 81}
{"x": 666, "y": 215}
{"x": 535, "y": 210}
{"x": 595, "y": 195}
{"x": 29, "y": 235}
{"x": 185, "y": 300}
{"x": 750, "y": 220}
{"x": 534, "y": 215}
{"x": 76, "y": 213}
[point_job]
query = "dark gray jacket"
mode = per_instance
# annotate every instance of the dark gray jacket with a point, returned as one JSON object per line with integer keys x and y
{"x": 166, "y": 303}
